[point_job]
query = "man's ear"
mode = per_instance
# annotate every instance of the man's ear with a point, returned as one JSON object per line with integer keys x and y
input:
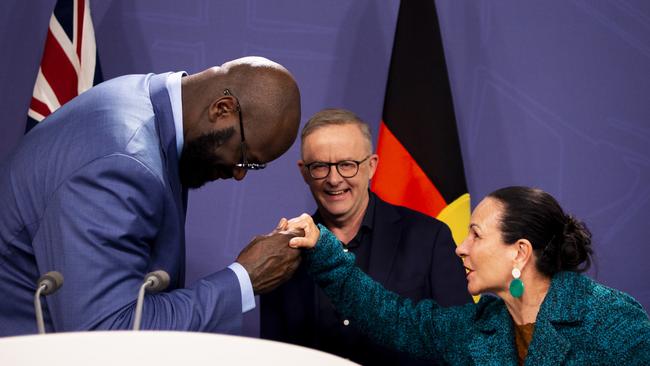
{"x": 373, "y": 161}
{"x": 225, "y": 106}
{"x": 303, "y": 170}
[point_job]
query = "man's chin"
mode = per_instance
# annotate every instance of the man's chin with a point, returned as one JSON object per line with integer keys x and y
{"x": 336, "y": 210}
{"x": 194, "y": 182}
{"x": 193, "y": 186}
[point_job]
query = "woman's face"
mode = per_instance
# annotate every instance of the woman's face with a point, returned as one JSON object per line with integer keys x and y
{"x": 488, "y": 260}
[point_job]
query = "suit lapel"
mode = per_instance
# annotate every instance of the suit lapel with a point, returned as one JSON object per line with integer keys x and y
{"x": 562, "y": 309}
{"x": 386, "y": 236}
{"x": 493, "y": 343}
{"x": 167, "y": 132}
{"x": 162, "y": 108}
{"x": 548, "y": 347}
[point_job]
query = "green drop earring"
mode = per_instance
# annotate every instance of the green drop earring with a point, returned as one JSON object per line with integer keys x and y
{"x": 516, "y": 285}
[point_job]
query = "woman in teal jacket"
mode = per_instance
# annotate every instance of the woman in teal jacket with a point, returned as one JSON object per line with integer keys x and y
{"x": 522, "y": 248}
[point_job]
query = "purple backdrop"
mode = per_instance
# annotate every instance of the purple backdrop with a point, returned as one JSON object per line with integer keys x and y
{"x": 553, "y": 94}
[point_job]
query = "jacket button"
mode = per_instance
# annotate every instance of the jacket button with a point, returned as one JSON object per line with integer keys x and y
{"x": 346, "y": 322}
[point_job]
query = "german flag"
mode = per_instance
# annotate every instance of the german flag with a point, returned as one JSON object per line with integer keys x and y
{"x": 421, "y": 166}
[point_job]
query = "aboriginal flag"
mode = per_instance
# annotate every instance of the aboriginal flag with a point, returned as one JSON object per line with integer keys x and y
{"x": 69, "y": 65}
{"x": 421, "y": 166}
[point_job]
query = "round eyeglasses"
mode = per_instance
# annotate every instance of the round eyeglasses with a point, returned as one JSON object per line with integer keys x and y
{"x": 345, "y": 168}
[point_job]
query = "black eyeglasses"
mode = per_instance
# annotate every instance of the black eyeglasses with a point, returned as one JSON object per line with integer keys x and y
{"x": 346, "y": 168}
{"x": 243, "y": 164}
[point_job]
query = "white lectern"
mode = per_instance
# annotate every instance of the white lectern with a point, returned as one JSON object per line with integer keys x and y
{"x": 157, "y": 348}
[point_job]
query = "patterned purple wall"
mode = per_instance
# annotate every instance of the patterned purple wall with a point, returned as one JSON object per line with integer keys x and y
{"x": 554, "y": 94}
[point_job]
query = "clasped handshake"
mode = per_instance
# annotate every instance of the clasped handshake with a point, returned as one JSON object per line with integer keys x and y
{"x": 272, "y": 259}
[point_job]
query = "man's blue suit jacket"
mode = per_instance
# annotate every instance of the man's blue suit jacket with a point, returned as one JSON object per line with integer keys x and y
{"x": 93, "y": 192}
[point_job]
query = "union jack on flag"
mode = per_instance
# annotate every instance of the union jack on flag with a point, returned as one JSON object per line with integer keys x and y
{"x": 69, "y": 65}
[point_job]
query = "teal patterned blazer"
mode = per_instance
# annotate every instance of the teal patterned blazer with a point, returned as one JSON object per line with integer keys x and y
{"x": 579, "y": 323}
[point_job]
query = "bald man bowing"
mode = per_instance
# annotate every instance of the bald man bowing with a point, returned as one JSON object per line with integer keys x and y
{"x": 98, "y": 192}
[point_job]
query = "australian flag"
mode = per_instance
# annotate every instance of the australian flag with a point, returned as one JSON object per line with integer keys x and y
{"x": 69, "y": 65}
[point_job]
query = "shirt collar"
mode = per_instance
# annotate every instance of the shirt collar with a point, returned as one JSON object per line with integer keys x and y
{"x": 173, "y": 84}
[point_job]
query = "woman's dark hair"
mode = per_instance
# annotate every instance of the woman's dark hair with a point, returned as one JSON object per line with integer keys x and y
{"x": 561, "y": 242}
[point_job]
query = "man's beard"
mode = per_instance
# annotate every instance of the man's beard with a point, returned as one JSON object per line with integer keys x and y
{"x": 198, "y": 164}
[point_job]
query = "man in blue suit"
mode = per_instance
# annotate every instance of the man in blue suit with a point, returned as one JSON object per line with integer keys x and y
{"x": 98, "y": 192}
{"x": 406, "y": 251}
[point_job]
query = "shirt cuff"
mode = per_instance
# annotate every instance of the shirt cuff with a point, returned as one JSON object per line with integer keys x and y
{"x": 247, "y": 295}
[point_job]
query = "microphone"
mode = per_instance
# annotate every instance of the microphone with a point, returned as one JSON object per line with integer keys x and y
{"x": 48, "y": 284}
{"x": 155, "y": 281}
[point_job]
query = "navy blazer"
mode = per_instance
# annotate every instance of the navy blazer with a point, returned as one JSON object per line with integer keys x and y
{"x": 580, "y": 322}
{"x": 93, "y": 192}
{"x": 411, "y": 254}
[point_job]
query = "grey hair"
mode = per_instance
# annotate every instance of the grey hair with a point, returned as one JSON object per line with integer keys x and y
{"x": 336, "y": 117}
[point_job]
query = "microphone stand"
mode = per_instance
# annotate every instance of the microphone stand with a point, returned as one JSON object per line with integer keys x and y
{"x": 48, "y": 284}
{"x": 39, "y": 311}
{"x": 139, "y": 303}
{"x": 154, "y": 282}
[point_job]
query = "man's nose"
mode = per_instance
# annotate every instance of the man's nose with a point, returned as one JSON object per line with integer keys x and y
{"x": 334, "y": 178}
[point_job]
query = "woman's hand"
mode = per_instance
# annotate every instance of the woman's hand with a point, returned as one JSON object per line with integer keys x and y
{"x": 305, "y": 223}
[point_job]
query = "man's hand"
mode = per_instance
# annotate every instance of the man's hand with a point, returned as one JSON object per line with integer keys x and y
{"x": 306, "y": 225}
{"x": 269, "y": 260}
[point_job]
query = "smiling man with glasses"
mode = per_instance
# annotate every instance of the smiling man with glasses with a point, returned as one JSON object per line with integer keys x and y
{"x": 407, "y": 252}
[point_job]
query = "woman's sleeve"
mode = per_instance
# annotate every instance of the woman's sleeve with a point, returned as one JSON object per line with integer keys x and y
{"x": 424, "y": 330}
